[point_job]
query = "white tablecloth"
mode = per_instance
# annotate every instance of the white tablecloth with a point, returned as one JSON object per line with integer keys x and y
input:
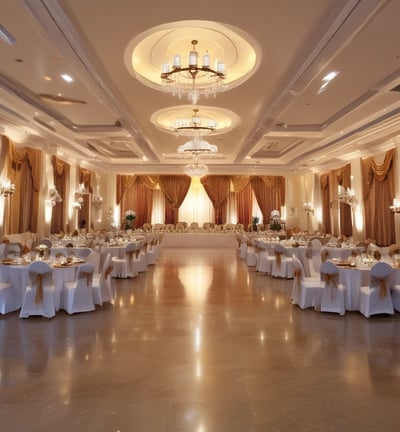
{"x": 199, "y": 240}
{"x": 18, "y": 276}
{"x": 354, "y": 278}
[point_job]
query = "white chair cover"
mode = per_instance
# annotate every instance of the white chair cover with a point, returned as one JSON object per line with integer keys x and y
{"x": 127, "y": 266}
{"x": 282, "y": 266}
{"x": 376, "y": 298}
{"x": 39, "y": 296}
{"x": 77, "y": 296}
{"x": 333, "y": 293}
{"x": 306, "y": 291}
{"x": 103, "y": 287}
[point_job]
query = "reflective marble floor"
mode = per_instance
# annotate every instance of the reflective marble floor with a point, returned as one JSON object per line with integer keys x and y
{"x": 200, "y": 343}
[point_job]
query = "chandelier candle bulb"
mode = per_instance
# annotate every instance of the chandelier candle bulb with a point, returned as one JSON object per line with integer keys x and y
{"x": 206, "y": 60}
{"x": 177, "y": 60}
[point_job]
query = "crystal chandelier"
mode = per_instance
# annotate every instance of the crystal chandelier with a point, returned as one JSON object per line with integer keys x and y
{"x": 193, "y": 80}
{"x": 197, "y": 145}
{"x": 346, "y": 196}
{"x": 193, "y": 126}
{"x": 395, "y": 208}
{"x": 196, "y": 169}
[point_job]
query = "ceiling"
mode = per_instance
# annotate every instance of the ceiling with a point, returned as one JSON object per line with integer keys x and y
{"x": 282, "y": 123}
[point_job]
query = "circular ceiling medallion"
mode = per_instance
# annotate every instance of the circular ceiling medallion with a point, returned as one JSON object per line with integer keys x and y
{"x": 224, "y": 119}
{"x": 147, "y": 52}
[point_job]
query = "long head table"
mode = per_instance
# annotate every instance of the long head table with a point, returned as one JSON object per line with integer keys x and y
{"x": 199, "y": 240}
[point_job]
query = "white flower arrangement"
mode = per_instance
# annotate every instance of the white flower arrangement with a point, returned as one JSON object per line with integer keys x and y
{"x": 130, "y": 216}
{"x": 54, "y": 196}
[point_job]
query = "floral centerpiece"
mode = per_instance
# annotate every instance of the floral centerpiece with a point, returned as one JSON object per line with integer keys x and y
{"x": 254, "y": 222}
{"x": 130, "y": 216}
{"x": 42, "y": 252}
{"x": 275, "y": 223}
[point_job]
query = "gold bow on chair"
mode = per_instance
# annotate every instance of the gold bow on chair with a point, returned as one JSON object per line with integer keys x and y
{"x": 37, "y": 279}
{"x": 130, "y": 255}
{"x": 278, "y": 258}
{"x": 324, "y": 255}
{"x": 331, "y": 281}
{"x": 382, "y": 286}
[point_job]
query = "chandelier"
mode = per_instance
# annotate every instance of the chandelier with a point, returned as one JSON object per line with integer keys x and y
{"x": 193, "y": 80}
{"x": 193, "y": 126}
{"x": 7, "y": 188}
{"x": 346, "y": 196}
{"x": 196, "y": 169}
{"x": 197, "y": 145}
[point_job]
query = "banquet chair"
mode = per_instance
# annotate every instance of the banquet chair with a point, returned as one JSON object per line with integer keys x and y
{"x": 39, "y": 296}
{"x": 7, "y": 303}
{"x": 376, "y": 298}
{"x": 151, "y": 250}
{"x": 77, "y": 296}
{"x": 94, "y": 258}
{"x": 282, "y": 266}
{"x": 141, "y": 256}
{"x": 251, "y": 253}
{"x": 265, "y": 260}
{"x": 126, "y": 267}
{"x": 102, "y": 285}
{"x": 47, "y": 242}
{"x": 333, "y": 292}
{"x": 313, "y": 261}
{"x": 306, "y": 291}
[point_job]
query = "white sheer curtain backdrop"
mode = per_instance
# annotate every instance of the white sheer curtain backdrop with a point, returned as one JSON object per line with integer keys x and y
{"x": 196, "y": 207}
{"x": 158, "y": 213}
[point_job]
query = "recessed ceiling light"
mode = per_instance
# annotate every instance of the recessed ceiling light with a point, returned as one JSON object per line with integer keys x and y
{"x": 326, "y": 80}
{"x": 47, "y": 78}
{"x": 67, "y": 78}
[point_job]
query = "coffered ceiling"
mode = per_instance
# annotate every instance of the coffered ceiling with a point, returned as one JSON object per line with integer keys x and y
{"x": 279, "y": 115}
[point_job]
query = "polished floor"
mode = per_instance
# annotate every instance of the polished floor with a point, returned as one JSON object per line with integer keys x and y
{"x": 200, "y": 343}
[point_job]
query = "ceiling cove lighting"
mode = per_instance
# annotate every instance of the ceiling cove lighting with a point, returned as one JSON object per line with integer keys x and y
{"x": 193, "y": 126}
{"x": 193, "y": 80}
{"x": 6, "y": 36}
{"x": 326, "y": 80}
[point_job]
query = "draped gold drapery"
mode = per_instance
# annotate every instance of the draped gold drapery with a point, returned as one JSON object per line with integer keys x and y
{"x": 124, "y": 182}
{"x": 245, "y": 204}
{"x": 24, "y": 170}
{"x": 85, "y": 177}
{"x": 217, "y": 189}
{"x": 174, "y": 188}
{"x": 269, "y": 192}
{"x": 326, "y": 203}
{"x": 139, "y": 198}
{"x": 239, "y": 183}
{"x": 61, "y": 173}
{"x": 378, "y": 194}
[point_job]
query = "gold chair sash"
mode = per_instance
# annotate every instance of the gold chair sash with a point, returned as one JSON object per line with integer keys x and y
{"x": 381, "y": 282}
{"x": 331, "y": 280}
{"x": 37, "y": 279}
{"x": 324, "y": 255}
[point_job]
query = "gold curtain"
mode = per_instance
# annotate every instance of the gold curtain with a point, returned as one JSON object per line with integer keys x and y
{"x": 174, "y": 188}
{"x": 85, "y": 176}
{"x": 326, "y": 203}
{"x": 245, "y": 204}
{"x": 124, "y": 182}
{"x": 240, "y": 183}
{"x": 217, "y": 189}
{"x": 269, "y": 192}
{"x": 140, "y": 199}
{"x": 24, "y": 170}
{"x": 61, "y": 173}
{"x": 150, "y": 181}
{"x": 378, "y": 194}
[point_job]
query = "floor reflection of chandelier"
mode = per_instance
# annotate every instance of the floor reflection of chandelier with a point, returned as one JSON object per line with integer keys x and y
{"x": 193, "y": 80}
{"x": 196, "y": 169}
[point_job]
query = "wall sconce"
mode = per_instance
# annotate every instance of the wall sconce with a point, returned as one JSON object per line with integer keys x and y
{"x": 54, "y": 197}
{"x": 395, "y": 207}
{"x": 346, "y": 196}
{"x": 78, "y": 204}
{"x": 97, "y": 202}
{"x": 7, "y": 188}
